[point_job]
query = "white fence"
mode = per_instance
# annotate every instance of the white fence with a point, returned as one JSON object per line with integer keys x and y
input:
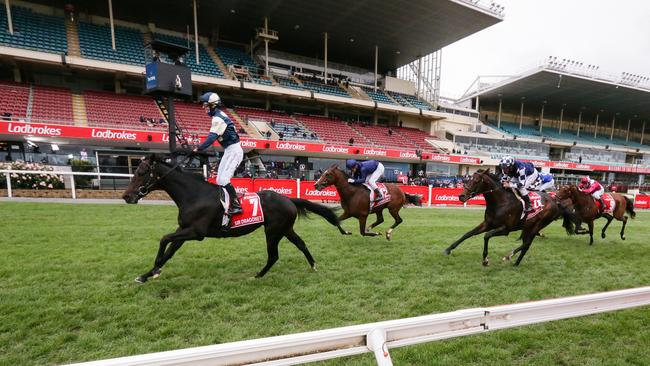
{"x": 380, "y": 337}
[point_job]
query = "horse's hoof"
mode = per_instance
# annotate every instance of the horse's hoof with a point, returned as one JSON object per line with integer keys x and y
{"x": 141, "y": 279}
{"x": 623, "y": 237}
{"x": 389, "y": 234}
{"x": 486, "y": 262}
{"x": 446, "y": 252}
{"x": 156, "y": 273}
{"x": 258, "y": 275}
{"x": 313, "y": 268}
{"x": 602, "y": 235}
{"x": 507, "y": 257}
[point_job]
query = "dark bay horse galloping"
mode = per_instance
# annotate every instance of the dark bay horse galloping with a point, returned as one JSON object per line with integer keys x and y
{"x": 200, "y": 212}
{"x": 587, "y": 211}
{"x": 355, "y": 201}
{"x": 503, "y": 214}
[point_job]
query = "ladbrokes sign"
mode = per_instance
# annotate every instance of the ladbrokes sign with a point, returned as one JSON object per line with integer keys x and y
{"x": 28, "y": 129}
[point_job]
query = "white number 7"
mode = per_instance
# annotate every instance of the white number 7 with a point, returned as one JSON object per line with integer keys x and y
{"x": 255, "y": 201}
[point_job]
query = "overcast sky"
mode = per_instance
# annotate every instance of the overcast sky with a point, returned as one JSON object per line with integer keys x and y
{"x": 613, "y": 34}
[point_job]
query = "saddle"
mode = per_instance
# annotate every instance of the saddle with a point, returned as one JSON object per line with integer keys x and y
{"x": 252, "y": 212}
{"x": 384, "y": 191}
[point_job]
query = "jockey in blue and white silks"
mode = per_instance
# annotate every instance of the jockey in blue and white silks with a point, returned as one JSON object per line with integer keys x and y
{"x": 366, "y": 172}
{"x": 222, "y": 129}
{"x": 545, "y": 182}
{"x": 520, "y": 175}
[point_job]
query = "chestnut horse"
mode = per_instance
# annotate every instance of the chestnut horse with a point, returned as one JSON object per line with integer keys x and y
{"x": 355, "y": 201}
{"x": 587, "y": 211}
{"x": 503, "y": 214}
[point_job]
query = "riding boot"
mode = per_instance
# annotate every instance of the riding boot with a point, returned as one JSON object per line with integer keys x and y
{"x": 602, "y": 204}
{"x": 378, "y": 195}
{"x": 528, "y": 207}
{"x": 235, "y": 205}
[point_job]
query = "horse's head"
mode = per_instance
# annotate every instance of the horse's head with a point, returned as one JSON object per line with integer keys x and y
{"x": 565, "y": 192}
{"x": 143, "y": 181}
{"x": 480, "y": 182}
{"x": 330, "y": 177}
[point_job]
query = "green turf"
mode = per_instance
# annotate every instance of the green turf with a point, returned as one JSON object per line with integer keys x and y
{"x": 67, "y": 292}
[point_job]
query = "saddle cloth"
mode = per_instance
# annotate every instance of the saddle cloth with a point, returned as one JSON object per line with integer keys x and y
{"x": 384, "y": 192}
{"x": 610, "y": 204}
{"x": 535, "y": 203}
{"x": 252, "y": 212}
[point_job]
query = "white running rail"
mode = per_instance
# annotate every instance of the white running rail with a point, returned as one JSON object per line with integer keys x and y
{"x": 380, "y": 337}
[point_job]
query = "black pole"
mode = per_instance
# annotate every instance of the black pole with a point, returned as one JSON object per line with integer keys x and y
{"x": 172, "y": 124}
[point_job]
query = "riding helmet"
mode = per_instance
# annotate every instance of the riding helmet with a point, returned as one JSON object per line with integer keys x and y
{"x": 506, "y": 161}
{"x": 210, "y": 98}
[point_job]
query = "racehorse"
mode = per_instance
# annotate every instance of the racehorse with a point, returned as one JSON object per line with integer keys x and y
{"x": 200, "y": 212}
{"x": 587, "y": 211}
{"x": 503, "y": 214}
{"x": 355, "y": 201}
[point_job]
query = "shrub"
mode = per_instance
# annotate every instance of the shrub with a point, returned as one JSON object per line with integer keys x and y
{"x": 32, "y": 181}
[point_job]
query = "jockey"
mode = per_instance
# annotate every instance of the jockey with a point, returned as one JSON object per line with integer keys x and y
{"x": 520, "y": 175}
{"x": 223, "y": 130}
{"x": 366, "y": 172}
{"x": 545, "y": 181}
{"x": 592, "y": 187}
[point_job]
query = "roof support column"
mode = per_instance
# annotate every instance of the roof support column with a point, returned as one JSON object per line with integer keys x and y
{"x": 110, "y": 16}
{"x": 418, "y": 77}
{"x": 325, "y": 59}
{"x": 561, "y": 118}
{"x": 266, "y": 47}
{"x": 579, "y": 123}
{"x": 376, "y": 63}
{"x": 521, "y": 113}
{"x": 499, "y": 114}
{"x": 642, "y": 132}
{"x": 10, "y": 22}
{"x": 627, "y": 134}
{"x": 541, "y": 118}
{"x": 478, "y": 105}
{"x": 596, "y": 128}
{"x": 611, "y": 135}
{"x": 196, "y": 36}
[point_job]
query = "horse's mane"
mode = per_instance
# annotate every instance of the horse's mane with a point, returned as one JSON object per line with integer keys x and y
{"x": 495, "y": 178}
{"x": 161, "y": 160}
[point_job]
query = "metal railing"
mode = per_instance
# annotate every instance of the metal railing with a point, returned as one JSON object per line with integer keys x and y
{"x": 8, "y": 172}
{"x": 380, "y": 337}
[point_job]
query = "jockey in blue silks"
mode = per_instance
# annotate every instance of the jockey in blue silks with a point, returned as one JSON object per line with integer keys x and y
{"x": 545, "y": 182}
{"x": 520, "y": 175}
{"x": 222, "y": 129}
{"x": 366, "y": 172}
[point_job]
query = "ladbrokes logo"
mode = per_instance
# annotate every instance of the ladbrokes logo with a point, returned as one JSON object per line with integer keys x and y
{"x": 336, "y": 149}
{"x": 408, "y": 155}
{"x": 248, "y": 143}
{"x": 445, "y": 197}
{"x": 242, "y": 190}
{"x": 315, "y": 193}
{"x": 467, "y": 160}
{"x": 31, "y": 130}
{"x": 280, "y": 190}
{"x": 290, "y": 146}
{"x": 112, "y": 135}
{"x": 374, "y": 152}
{"x": 440, "y": 158}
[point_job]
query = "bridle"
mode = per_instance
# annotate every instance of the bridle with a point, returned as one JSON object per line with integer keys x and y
{"x": 474, "y": 194}
{"x": 145, "y": 188}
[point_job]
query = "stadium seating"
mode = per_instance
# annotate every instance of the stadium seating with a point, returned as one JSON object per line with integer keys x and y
{"x": 14, "y": 99}
{"x": 378, "y": 95}
{"x": 33, "y": 30}
{"x": 319, "y": 87}
{"x": 52, "y": 104}
{"x": 380, "y": 137}
{"x": 232, "y": 56}
{"x": 410, "y": 99}
{"x": 95, "y": 43}
{"x": 206, "y": 65}
{"x": 332, "y": 131}
{"x": 112, "y": 110}
{"x": 287, "y": 82}
{"x": 417, "y": 138}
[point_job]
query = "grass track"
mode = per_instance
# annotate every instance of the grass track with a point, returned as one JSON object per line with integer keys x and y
{"x": 67, "y": 292}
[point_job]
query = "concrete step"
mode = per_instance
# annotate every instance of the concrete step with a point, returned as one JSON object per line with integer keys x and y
{"x": 79, "y": 110}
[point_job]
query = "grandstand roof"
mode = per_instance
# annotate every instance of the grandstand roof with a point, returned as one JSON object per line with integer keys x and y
{"x": 403, "y": 30}
{"x": 576, "y": 91}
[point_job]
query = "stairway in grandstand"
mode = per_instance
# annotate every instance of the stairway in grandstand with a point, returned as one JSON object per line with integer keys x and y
{"x": 79, "y": 110}
{"x": 220, "y": 64}
{"x": 72, "y": 35}
{"x": 250, "y": 130}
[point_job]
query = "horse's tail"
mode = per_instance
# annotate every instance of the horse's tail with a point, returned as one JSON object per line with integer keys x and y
{"x": 629, "y": 206}
{"x": 414, "y": 199}
{"x": 325, "y": 212}
{"x": 568, "y": 218}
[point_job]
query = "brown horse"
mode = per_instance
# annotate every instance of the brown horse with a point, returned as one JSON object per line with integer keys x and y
{"x": 503, "y": 214}
{"x": 587, "y": 211}
{"x": 355, "y": 201}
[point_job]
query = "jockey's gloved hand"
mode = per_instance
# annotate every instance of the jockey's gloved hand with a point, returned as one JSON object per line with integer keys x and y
{"x": 350, "y": 180}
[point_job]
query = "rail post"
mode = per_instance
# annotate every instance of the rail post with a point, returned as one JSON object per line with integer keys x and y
{"x": 8, "y": 177}
{"x": 376, "y": 342}
{"x": 298, "y": 187}
{"x": 74, "y": 193}
{"x": 430, "y": 191}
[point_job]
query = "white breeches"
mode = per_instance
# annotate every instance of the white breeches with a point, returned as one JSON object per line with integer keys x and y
{"x": 372, "y": 178}
{"x": 232, "y": 157}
